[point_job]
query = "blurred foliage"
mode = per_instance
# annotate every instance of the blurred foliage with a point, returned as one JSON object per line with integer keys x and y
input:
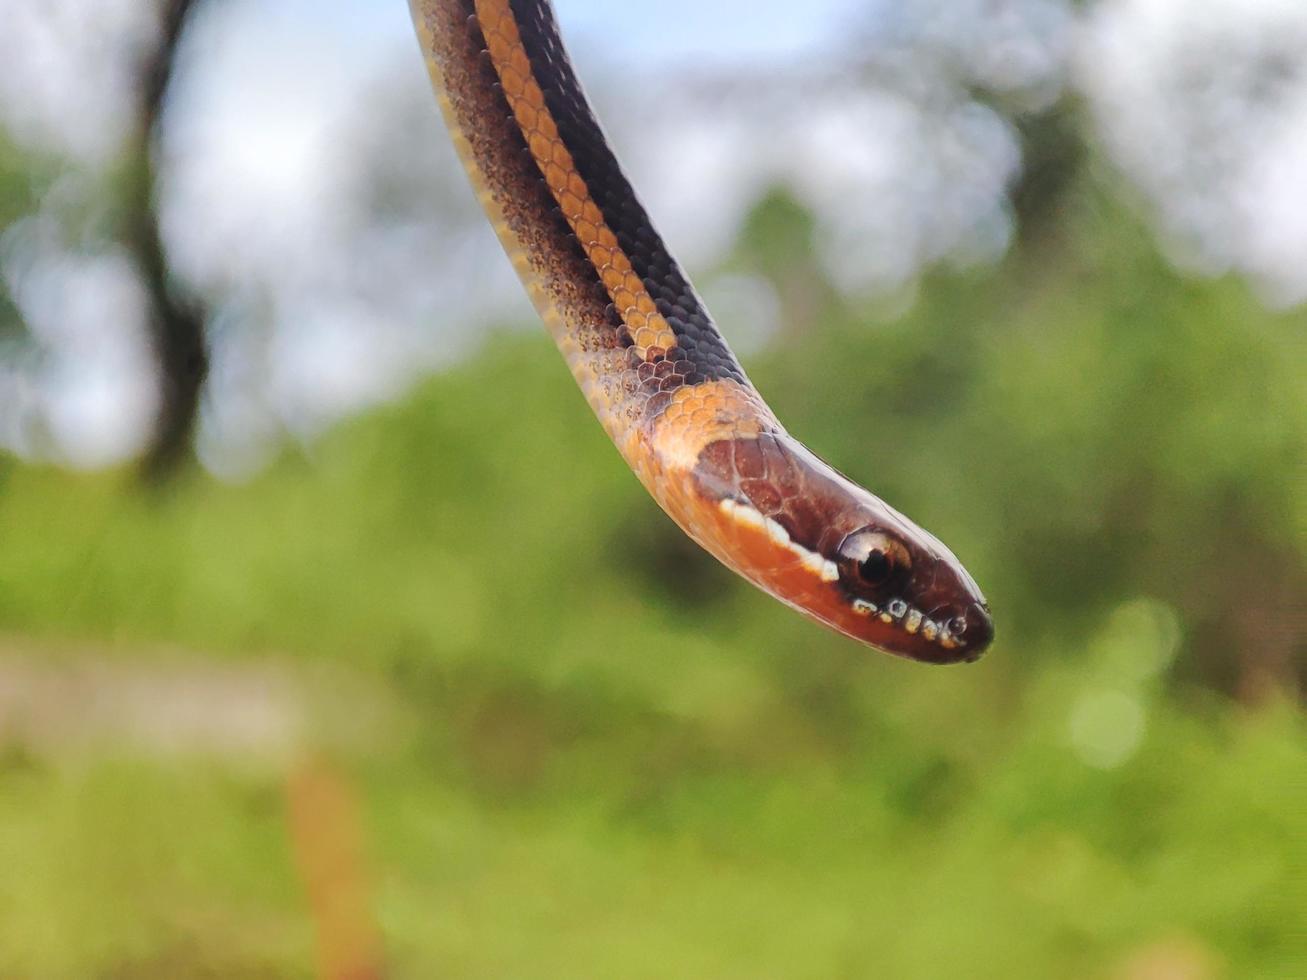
{"x": 597, "y": 753}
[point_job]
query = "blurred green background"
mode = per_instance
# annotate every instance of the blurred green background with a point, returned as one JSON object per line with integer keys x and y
{"x": 421, "y": 683}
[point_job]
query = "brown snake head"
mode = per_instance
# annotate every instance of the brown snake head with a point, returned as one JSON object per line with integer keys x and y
{"x": 820, "y": 543}
{"x": 650, "y": 360}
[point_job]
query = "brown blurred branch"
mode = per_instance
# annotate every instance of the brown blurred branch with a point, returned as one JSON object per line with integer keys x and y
{"x": 176, "y": 323}
{"x": 326, "y": 833}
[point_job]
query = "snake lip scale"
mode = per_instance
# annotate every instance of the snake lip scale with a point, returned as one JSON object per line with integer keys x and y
{"x": 649, "y": 358}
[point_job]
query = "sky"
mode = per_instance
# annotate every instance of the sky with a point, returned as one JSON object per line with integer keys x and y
{"x": 652, "y": 31}
{"x": 291, "y": 117}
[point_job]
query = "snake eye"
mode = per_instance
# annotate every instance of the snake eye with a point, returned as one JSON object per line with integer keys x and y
{"x": 874, "y": 559}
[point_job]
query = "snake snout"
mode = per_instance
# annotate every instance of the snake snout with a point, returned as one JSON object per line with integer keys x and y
{"x": 978, "y": 629}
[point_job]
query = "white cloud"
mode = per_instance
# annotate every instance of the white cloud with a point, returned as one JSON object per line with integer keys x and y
{"x": 1204, "y": 106}
{"x": 92, "y": 388}
{"x": 68, "y": 75}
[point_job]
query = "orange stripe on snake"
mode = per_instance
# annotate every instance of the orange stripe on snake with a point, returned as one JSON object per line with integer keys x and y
{"x": 649, "y": 332}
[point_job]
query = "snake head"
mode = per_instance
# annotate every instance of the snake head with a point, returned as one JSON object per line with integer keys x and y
{"x": 823, "y": 545}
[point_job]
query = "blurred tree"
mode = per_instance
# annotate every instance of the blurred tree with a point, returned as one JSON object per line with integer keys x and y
{"x": 175, "y": 322}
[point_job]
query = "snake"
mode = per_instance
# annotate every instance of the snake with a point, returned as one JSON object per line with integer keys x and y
{"x": 651, "y": 362}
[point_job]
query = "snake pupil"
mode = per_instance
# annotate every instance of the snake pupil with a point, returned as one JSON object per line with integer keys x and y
{"x": 875, "y": 568}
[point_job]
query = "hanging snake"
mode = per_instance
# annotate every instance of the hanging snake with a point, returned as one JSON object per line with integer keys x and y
{"x": 652, "y": 363}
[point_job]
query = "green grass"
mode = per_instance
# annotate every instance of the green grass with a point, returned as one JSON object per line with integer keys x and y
{"x": 580, "y": 749}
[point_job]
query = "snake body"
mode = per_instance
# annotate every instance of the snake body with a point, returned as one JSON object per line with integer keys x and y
{"x": 653, "y": 366}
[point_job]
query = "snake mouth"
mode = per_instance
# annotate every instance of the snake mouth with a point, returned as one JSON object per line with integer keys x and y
{"x": 957, "y": 637}
{"x": 913, "y": 621}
